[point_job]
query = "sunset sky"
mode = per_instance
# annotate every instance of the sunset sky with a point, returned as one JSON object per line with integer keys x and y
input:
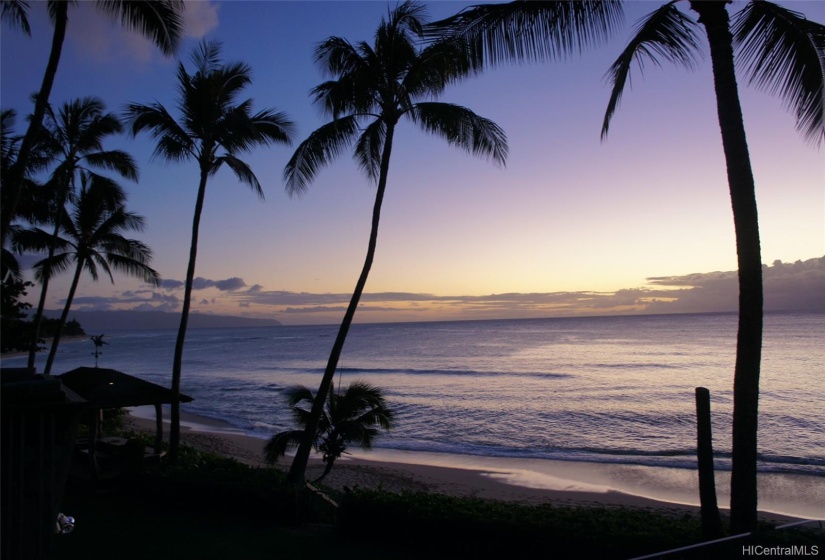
{"x": 571, "y": 225}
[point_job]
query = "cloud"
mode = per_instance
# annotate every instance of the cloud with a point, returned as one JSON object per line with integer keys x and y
{"x": 132, "y": 300}
{"x": 200, "y": 283}
{"x": 103, "y": 38}
{"x": 167, "y": 284}
{"x": 228, "y": 285}
{"x": 788, "y": 287}
{"x": 200, "y": 17}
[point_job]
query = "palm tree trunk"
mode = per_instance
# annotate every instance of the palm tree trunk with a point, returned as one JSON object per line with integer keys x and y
{"x": 327, "y": 470}
{"x": 41, "y": 303}
{"x": 174, "y": 429}
{"x": 18, "y": 170}
{"x": 743, "y": 501}
{"x": 64, "y": 316}
{"x": 297, "y": 470}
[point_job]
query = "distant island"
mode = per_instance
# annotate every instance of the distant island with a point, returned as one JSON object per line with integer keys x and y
{"x": 100, "y": 321}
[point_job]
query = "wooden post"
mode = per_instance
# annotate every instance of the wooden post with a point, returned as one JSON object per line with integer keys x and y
{"x": 158, "y": 429}
{"x": 711, "y": 522}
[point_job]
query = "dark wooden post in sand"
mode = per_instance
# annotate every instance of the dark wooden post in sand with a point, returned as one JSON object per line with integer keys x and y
{"x": 711, "y": 522}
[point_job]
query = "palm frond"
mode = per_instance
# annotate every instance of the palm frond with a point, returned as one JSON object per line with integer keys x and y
{"x": 115, "y": 160}
{"x": 492, "y": 34}
{"x": 242, "y": 171}
{"x": 279, "y": 444}
{"x": 34, "y": 240}
{"x": 784, "y": 53}
{"x": 463, "y": 128}
{"x": 47, "y": 268}
{"x": 161, "y": 21}
{"x": 9, "y": 266}
{"x": 319, "y": 149}
{"x": 16, "y": 13}
{"x": 369, "y": 147}
{"x": 241, "y": 132}
{"x": 436, "y": 66}
{"x": 173, "y": 142}
{"x": 337, "y": 57}
{"x": 665, "y": 33}
{"x": 134, "y": 267}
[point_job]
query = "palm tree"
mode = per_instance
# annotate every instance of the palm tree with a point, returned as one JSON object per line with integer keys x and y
{"x": 30, "y": 205}
{"x": 354, "y": 417}
{"x": 781, "y": 51}
{"x": 373, "y": 88}
{"x": 211, "y": 122}
{"x": 159, "y": 20}
{"x": 75, "y": 134}
{"x": 92, "y": 238}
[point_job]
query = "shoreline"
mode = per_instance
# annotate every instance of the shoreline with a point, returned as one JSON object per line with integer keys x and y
{"x": 559, "y": 483}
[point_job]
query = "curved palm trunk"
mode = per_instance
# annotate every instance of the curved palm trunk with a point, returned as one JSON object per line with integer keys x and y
{"x": 327, "y": 470}
{"x": 297, "y": 470}
{"x": 17, "y": 171}
{"x": 41, "y": 303}
{"x": 743, "y": 501}
{"x": 63, "y": 317}
{"x": 174, "y": 429}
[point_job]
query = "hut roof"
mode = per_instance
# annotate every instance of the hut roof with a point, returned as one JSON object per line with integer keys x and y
{"x": 109, "y": 388}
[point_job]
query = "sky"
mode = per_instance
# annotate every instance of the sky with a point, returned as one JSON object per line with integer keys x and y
{"x": 572, "y": 225}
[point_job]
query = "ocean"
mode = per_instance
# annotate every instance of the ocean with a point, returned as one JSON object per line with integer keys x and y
{"x": 609, "y": 390}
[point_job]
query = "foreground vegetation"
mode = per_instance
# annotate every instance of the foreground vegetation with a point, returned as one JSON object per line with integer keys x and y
{"x": 212, "y": 507}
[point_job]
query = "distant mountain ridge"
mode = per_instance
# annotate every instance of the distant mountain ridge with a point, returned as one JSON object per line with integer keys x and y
{"x": 99, "y": 321}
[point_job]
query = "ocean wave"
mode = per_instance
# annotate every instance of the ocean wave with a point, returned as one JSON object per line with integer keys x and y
{"x": 451, "y": 372}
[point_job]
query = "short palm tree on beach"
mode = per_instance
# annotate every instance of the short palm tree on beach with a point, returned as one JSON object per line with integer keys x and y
{"x": 355, "y": 416}
{"x": 779, "y": 49}
{"x": 91, "y": 239}
{"x": 213, "y": 130}
{"x": 373, "y": 87}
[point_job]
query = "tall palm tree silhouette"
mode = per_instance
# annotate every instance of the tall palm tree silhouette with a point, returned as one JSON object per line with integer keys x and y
{"x": 779, "y": 49}
{"x": 373, "y": 88}
{"x": 92, "y": 239}
{"x": 213, "y": 130}
{"x": 75, "y": 135}
{"x": 159, "y": 20}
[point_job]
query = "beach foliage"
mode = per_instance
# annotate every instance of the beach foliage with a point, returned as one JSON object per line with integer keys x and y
{"x": 214, "y": 129}
{"x": 91, "y": 239}
{"x": 73, "y": 136}
{"x": 372, "y": 88}
{"x": 778, "y": 50}
{"x": 355, "y": 416}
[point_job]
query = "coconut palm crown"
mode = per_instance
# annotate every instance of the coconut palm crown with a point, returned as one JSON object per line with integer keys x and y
{"x": 355, "y": 416}
{"x": 372, "y": 88}
{"x": 213, "y": 130}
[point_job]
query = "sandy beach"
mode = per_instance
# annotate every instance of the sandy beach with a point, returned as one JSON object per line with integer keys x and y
{"x": 570, "y": 484}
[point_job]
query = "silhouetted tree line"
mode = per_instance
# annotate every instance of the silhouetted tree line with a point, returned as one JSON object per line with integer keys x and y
{"x": 18, "y": 328}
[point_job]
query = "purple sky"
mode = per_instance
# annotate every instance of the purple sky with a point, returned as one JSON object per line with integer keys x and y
{"x": 571, "y": 225}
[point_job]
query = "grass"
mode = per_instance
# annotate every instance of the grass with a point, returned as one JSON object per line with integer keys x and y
{"x": 209, "y": 507}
